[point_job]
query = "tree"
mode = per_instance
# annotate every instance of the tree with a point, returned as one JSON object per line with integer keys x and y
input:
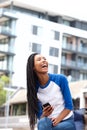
{"x": 4, "y": 81}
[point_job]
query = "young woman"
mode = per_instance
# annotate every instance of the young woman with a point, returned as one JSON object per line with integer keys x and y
{"x": 48, "y": 95}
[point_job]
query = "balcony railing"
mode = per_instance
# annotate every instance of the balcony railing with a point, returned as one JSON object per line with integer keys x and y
{"x": 3, "y": 65}
{"x": 8, "y": 13}
{"x": 68, "y": 62}
{"x": 6, "y": 31}
{"x": 6, "y": 50}
{"x": 73, "y": 63}
{"x": 14, "y": 121}
{"x": 68, "y": 46}
{"x": 82, "y": 50}
{"x": 82, "y": 65}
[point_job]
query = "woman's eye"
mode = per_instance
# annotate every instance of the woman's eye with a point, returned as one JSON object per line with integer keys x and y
{"x": 41, "y": 58}
{"x": 38, "y": 59}
{"x": 44, "y": 58}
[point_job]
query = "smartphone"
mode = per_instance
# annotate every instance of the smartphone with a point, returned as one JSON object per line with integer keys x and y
{"x": 46, "y": 104}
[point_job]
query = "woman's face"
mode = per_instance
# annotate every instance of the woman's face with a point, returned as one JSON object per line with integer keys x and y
{"x": 40, "y": 64}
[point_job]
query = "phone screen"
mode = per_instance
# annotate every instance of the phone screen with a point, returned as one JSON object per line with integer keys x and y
{"x": 47, "y": 104}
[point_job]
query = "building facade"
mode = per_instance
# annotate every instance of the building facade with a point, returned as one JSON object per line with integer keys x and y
{"x": 7, "y": 39}
{"x": 62, "y": 39}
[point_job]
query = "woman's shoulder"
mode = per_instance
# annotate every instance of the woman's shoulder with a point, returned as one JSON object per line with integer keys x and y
{"x": 57, "y": 77}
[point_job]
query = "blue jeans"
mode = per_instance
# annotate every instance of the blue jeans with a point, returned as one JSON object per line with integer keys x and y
{"x": 46, "y": 124}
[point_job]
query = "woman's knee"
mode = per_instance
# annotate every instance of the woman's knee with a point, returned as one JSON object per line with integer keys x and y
{"x": 43, "y": 123}
{"x": 65, "y": 125}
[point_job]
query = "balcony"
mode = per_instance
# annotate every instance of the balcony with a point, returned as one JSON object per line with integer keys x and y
{"x": 4, "y": 53}
{"x": 6, "y": 32}
{"x": 68, "y": 46}
{"x": 5, "y": 48}
{"x": 6, "y": 14}
{"x": 82, "y": 65}
{"x": 82, "y": 50}
{"x": 3, "y": 67}
{"x": 3, "y": 62}
{"x": 68, "y": 63}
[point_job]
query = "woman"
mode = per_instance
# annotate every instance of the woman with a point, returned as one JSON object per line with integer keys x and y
{"x": 53, "y": 89}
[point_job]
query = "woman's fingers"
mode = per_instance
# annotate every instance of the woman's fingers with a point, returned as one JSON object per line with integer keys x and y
{"x": 47, "y": 110}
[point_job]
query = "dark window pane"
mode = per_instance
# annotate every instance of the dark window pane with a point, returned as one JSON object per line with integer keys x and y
{"x": 57, "y": 34}
{"x": 53, "y": 68}
{"x": 35, "y": 29}
{"x": 54, "y": 51}
{"x": 36, "y": 47}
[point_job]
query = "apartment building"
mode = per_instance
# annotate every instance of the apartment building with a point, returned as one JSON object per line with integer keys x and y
{"x": 25, "y": 29}
{"x": 7, "y": 39}
{"x": 62, "y": 39}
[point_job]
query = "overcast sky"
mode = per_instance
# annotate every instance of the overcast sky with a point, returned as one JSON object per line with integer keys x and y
{"x": 74, "y": 8}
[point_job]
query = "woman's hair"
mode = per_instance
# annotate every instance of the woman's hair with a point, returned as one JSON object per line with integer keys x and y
{"x": 31, "y": 91}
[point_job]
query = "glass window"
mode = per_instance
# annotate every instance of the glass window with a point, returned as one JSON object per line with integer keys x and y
{"x": 4, "y": 40}
{"x": 36, "y": 30}
{"x": 19, "y": 109}
{"x": 3, "y": 62}
{"x": 36, "y": 47}
{"x": 56, "y": 35}
{"x": 66, "y": 22}
{"x": 53, "y": 68}
{"x": 6, "y": 23}
{"x": 4, "y": 44}
{"x": 54, "y": 51}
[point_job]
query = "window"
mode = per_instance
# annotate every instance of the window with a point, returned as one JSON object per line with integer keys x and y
{"x": 4, "y": 44}
{"x": 53, "y": 68}
{"x": 54, "y": 51}
{"x": 19, "y": 109}
{"x": 6, "y": 23}
{"x": 36, "y": 30}
{"x": 6, "y": 40}
{"x": 55, "y": 35}
{"x": 66, "y": 22}
{"x": 3, "y": 63}
{"x": 36, "y": 47}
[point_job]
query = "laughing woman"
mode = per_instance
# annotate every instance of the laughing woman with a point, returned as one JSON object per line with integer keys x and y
{"x": 48, "y": 95}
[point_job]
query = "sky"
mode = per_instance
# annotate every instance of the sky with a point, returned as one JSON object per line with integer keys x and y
{"x": 74, "y": 8}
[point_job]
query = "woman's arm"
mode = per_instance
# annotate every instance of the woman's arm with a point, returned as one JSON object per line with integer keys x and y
{"x": 61, "y": 116}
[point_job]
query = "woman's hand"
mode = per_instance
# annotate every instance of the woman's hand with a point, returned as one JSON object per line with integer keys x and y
{"x": 55, "y": 121}
{"x": 47, "y": 111}
{"x": 60, "y": 117}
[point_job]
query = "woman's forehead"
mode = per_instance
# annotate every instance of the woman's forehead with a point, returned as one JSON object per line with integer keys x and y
{"x": 39, "y": 55}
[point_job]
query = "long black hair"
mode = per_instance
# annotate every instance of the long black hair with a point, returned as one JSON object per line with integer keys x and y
{"x": 31, "y": 91}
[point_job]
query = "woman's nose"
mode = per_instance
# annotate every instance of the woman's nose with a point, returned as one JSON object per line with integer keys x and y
{"x": 43, "y": 59}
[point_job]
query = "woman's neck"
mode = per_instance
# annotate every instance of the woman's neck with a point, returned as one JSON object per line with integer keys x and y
{"x": 43, "y": 79}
